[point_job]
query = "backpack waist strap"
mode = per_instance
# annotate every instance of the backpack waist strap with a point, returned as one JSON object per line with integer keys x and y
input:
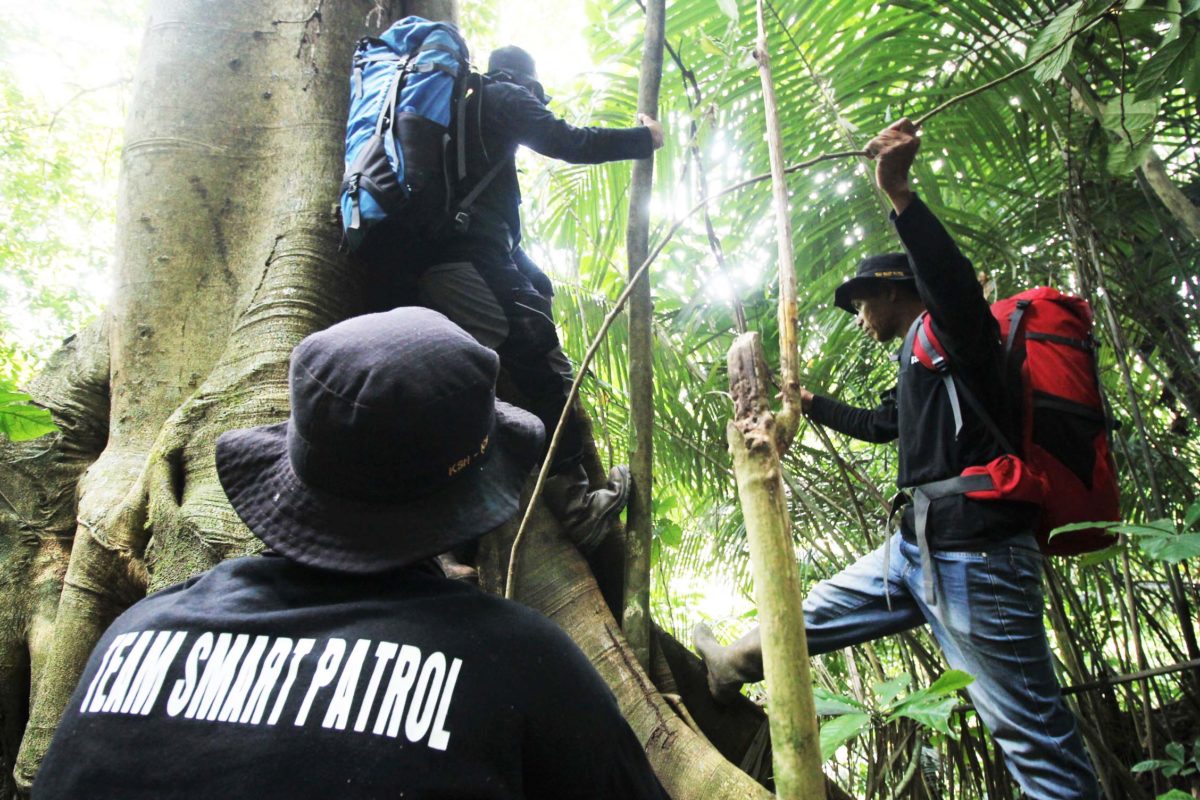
{"x": 922, "y": 497}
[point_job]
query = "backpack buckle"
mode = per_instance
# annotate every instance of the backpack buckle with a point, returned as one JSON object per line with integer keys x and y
{"x": 462, "y": 220}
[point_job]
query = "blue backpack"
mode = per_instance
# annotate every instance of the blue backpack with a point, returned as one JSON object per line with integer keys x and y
{"x": 405, "y": 148}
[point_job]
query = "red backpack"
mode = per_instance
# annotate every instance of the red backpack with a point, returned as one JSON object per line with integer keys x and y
{"x": 1063, "y": 462}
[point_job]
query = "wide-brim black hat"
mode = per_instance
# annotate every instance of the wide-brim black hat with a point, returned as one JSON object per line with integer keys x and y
{"x": 871, "y": 272}
{"x": 517, "y": 65}
{"x": 396, "y": 449}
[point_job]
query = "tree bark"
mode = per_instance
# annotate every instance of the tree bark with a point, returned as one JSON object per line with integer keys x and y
{"x": 640, "y": 527}
{"x": 227, "y": 255}
{"x": 1175, "y": 201}
{"x": 38, "y": 486}
{"x": 753, "y": 441}
{"x": 553, "y": 578}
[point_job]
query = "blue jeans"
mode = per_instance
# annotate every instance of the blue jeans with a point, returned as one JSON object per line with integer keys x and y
{"x": 988, "y": 621}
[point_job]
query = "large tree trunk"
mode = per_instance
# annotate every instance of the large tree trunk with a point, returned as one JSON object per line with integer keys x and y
{"x": 37, "y": 522}
{"x": 227, "y": 256}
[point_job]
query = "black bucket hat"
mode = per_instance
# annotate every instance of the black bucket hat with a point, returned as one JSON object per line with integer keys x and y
{"x": 871, "y": 270}
{"x": 396, "y": 448}
{"x": 517, "y": 65}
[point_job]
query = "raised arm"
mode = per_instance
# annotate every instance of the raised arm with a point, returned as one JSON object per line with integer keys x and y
{"x": 945, "y": 278}
{"x": 529, "y": 122}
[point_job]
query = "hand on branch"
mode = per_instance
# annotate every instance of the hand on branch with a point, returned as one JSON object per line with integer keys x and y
{"x": 656, "y": 129}
{"x": 894, "y": 151}
{"x": 806, "y": 400}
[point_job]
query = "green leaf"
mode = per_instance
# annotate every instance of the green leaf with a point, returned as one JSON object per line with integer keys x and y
{"x": 1129, "y": 118}
{"x": 1146, "y": 766}
{"x": 729, "y": 8}
{"x": 835, "y": 705}
{"x": 888, "y": 691}
{"x": 934, "y": 715}
{"x": 663, "y": 503}
{"x": 836, "y": 732}
{"x": 20, "y": 420}
{"x": 932, "y": 706}
{"x": 1156, "y": 528}
{"x": 1189, "y": 520}
{"x": 1099, "y": 556}
{"x": 1082, "y": 526}
{"x": 1191, "y": 7}
{"x": 1054, "y": 35}
{"x": 951, "y": 681}
{"x": 1170, "y": 65}
{"x": 1175, "y": 751}
{"x": 1175, "y": 794}
{"x": 669, "y": 533}
{"x": 1175, "y": 15}
{"x": 1172, "y": 549}
{"x": 710, "y": 46}
{"x": 1123, "y": 159}
{"x": 1191, "y": 71}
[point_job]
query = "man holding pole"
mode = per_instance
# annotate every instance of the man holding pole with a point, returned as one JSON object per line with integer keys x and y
{"x": 969, "y": 569}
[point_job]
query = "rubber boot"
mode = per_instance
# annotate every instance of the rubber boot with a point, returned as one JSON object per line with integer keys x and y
{"x": 729, "y": 667}
{"x": 586, "y": 515}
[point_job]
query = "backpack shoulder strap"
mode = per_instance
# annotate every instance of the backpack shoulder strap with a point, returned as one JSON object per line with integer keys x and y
{"x": 1014, "y": 327}
{"x": 955, "y": 388}
{"x": 462, "y": 216}
{"x": 460, "y": 120}
{"x": 906, "y": 350}
{"x": 942, "y": 367}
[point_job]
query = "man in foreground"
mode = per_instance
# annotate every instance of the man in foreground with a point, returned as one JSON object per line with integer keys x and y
{"x": 976, "y": 579}
{"x": 342, "y": 664}
{"x": 480, "y": 278}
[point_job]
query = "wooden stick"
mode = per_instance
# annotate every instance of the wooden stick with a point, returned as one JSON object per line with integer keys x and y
{"x": 788, "y": 418}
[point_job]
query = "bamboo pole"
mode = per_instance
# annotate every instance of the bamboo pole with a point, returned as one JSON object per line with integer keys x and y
{"x": 635, "y": 617}
{"x": 753, "y": 441}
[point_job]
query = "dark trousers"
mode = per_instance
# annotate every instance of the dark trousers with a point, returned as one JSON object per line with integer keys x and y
{"x": 484, "y": 293}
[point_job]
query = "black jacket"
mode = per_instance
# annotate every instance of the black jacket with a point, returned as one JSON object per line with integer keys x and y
{"x": 509, "y": 117}
{"x": 263, "y": 678}
{"x": 917, "y": 410}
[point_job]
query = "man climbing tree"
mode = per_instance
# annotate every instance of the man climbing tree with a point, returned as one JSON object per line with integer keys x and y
{"x": 477, "y": 274}
{"x": 969, "y": 569}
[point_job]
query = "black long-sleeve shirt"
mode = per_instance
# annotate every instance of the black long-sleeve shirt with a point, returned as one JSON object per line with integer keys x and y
{"x": 918, "y": 412}
{"x": 265, "y": 678}
{"x": 510, "y": 117}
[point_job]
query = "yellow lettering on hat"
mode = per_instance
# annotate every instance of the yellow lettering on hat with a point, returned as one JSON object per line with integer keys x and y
{"x": 465, "y": 461}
